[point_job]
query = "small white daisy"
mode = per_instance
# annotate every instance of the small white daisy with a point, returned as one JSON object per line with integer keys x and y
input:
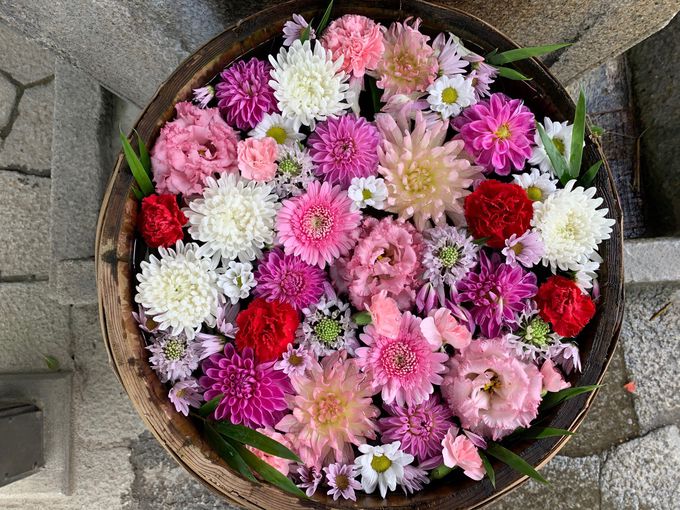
{"x": 538, "y": 183}
{"x": 560, "y": 133}
{"x": 382, "y": 466}
{"x": 368, "y": 191}
{"x": 450, "y": 94}
{"x": 237, "y": 280}
{"x": 279, "y": 128}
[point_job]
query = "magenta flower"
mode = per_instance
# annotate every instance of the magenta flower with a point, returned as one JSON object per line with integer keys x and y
{"x": 498, "y": 133}
{"x": 253, "y": 394}
{"x": 185, "y": 394}
{"x": 341, "y": 478}
{"x": 244, "y": 94}
{"x": 498, "y": 292}
{"x": 343, "y": 148}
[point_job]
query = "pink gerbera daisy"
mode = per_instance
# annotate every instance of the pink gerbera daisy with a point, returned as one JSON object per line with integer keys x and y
{"x": 498, "y": 133}
{"x": 404, "y": 368}
{"x": 318, "y": 226}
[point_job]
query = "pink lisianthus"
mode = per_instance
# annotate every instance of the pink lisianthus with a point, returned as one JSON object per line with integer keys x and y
{"x": 460, "y": 452}
{"x": 280, "y": 464}
{"x": 490, "y": 390}
{"x": 441, "y": 327}
{"x": 196, "y": 145}
{"x": 385, "y": 315}
{"x": 552, "y": 379}
{"x": 257, "y": 158}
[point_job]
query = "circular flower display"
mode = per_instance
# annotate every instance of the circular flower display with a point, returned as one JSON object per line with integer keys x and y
{"x": 267, "y": 328}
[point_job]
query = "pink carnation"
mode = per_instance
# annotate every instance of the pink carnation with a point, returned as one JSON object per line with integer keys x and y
{"x": 278, "y": 463}
{"x": 441, "y": 327}
{"x": 257, "y": 158}
{"x": 490, "y": 390}
{"x": 385, "y": 315}
{"x": 196, "y": 145}
{"x": 359, "y": 40}
{"x": 552, "y": 379}
{"x": 460, "y": 452}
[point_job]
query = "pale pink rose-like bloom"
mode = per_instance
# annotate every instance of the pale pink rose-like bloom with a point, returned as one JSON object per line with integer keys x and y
{"x": 552, "y": 379}
{"x": 257, "y": 158}
{"x": 196, "y": 145}
{"x": 278, "y": 463}
{"x": 385, "y": 314}
{"x": 460, "y": 452}
{"x": 441, "y": 327}
{"x": 490, "y": 390}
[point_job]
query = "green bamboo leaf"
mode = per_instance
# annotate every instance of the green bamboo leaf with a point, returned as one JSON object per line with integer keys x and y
{"x": 144, "y": 156}
{"x": 538, "y": 433}
{"x": 553, "y": 399}
{"x": 138, "y": 194}
{"x": 138, "y": 171}
{"x": 514, "y": 461}
{"x": 578, "y": 136}
{"x": 362, "y": 318}
{"x": 253, "y": 438}
{"x": 511, "y": 74}
{"x": 587, "y": 178}
{"x": 440, "y": 472}
{"x": 207, "y": 408}
{"x": 304, "y": 35}
{"x": 324, "y": 20}
{"x": 268, "y": 473}
{"x": 489, "y": 469}
{"x": 481, "y": 241}
{"x": 51, "y": 362}
{"x": 229, "y": 453}
{"x": 506, "y": 57}
{"x": 559, "y": 164}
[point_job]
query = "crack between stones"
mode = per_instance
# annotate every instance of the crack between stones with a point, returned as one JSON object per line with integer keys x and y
{"x": 46, "y": 174}
{"x": 24, "y": 278}
{"x": 20, "y": 89}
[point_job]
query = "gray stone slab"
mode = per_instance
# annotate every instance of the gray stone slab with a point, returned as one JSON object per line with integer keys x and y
{"x": 8, "y": 94}
{"x": 24, "y": 209}
{"x": 73, "y": 282}
{"x": 652, "y": 260}
{"x": 48, "y": 392}
{"x": 651, "y": 346}
{"x": 22, "y": 58}
{"x": 573, "y": 486}
{"x": 643, "y": 474}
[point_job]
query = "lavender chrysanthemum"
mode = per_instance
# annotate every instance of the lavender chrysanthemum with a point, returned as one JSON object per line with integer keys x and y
{"x": 328, "y": 327}
{"x": 526, "y": 249}
{"x": 288, "y": 279}
{"x": 565, "y": 354}
{"x": 415, "y": 478}
{"x": 481, "y": 74}
{"x": 310, "y": 478}
{"x": 498, "y": 292}
{"x": 341, "y": 478}
{"x": 244, "y": 94}
{"x": 295, "y": 361}
{"x": 449, "y": 254}
{"x": 254, "y": 394}
{"x": 174, "y": 357}
{"x": 343, "y": 148}
{"x": 533, "y": 338}
{"x": 185, "y": 394}
{"x": 294, "y": 171}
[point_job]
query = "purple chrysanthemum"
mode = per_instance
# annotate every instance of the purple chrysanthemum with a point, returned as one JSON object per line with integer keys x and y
{"x": 244, "y": 94}
{"x": 526, "y": 249}
{"x": 449, "y": 254}
{"x": 310, "y": 478}
{"x": 341, "y": 478}
{"x": 253, "y": 394}
{"x": 498, "y": 292}
{"x": 295, "y": 361}
{"x": 481, "y": 74}
{"x": 420, "y": 428}
{"x": 174, "y": 357}
{"x": 184, "y": 394}
{"x": 343, "y": 148}
{"x": 566, "y": 355}
{"x": 415, "y": 478}
{"x": 226, "y": 317}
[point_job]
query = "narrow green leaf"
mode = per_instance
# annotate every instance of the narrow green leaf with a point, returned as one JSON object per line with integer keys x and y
{"x": 553, "y": 399}
{"x": 578, "y": 136}
{"x": 559, "y": 164}
{"x": 138, "y": 171}
{"x": 440, "y": 472}
{"x": 362, "y": 318}
{"x": 538, "y": 433}
{"x": 269, "y": 473}
{"x": 206, "y": 409}
{"x": 144, "y": 156}
{"x": 138, "y": 194}
{"x": 587, "y": 178}
{"x": 514, "y": 461}
{"x": 51, "y": 362}
{"x": 228, "y": 452}
{"x": 489, "y": 469}
{"x": 253, "y": 438}
{"x": 324, "y": 20}
{"x": 304, "y": 35}
{"x": 511, "y": 74}
{"x": 481, "y": 241}
{"x": 506, "y": 57}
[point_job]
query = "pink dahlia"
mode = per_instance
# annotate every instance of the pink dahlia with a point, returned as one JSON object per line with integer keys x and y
{"x": 387, "y": 258}
{"x": 490, "y": 390}
{"x": 420, "y": 428}
{"x": 498, "y": 292}
{"x": 253, "y": 394}
{"x": 499, "y": 133}
{"x": 408, "y": 64}
{"x": 332, "y": 410}
{"x": 405, "y": 368}
{"x": 358, "y": 40}
{"x": 288, "y": 279}
{"x": 318, "y": 226}
{"x": 244, "y": 94}
{"x": 196, "y": 145}
{"x": 343, "y": 148}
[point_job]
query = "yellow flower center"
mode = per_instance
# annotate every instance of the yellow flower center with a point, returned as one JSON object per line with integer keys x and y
{"x": 518, "y": 248}
{"x": 534, "y": 193}
{"x": 294, "y": 360}
{"x": 380, "y": 463}
{"x": 559, "y": 145}
{"x": 341, "y": 482}
{"x": 493, "y": 385}
{"x": 503, "y": 132}
{"x": 366, "y": 194}
{"x": 277, "y": 133}
{"x": 449, "y": 95}
{"x": 418, "y": 179}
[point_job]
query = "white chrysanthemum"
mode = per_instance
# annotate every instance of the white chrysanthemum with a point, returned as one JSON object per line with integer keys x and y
{"x": 180, "y": 290}
{"x": 279, "y": 128}
{"x": 450, "y": 94}
{"x": 585, "y": 274}
{"x": 571, "y": 226}
{"x": 382, "y": 466}
{"x": 234, "y": 218}
{"x": 560, "y": 133}
{"x": 307, "y": 84}
{"x": 539, "y": 184}
{"x": 368, "y": 191}
{"x": 237, "y": 280}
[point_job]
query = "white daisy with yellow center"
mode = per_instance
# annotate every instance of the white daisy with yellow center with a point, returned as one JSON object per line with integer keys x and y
{"x": 450, "y": 94}
{"x": 280, "y": 128}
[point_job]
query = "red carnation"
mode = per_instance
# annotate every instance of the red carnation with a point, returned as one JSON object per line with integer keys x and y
{"x": 266, "y": 327}
{"x": 496, "y": 210}
{"x": 565, "y": 306}
{"x": 160, "y": 222}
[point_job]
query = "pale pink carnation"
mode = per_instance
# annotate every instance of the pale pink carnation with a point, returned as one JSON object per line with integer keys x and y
{"x": 441, "y": 327}
{"x": 196, "y": 145}
{"x": 278, "y": 463}
{"x": 257, "y": 158}
{"x": 460, "y": 452}
{"x": 552, "y": 378}
{"x": 385, "y": 314}
{"x": 490, "y": 390}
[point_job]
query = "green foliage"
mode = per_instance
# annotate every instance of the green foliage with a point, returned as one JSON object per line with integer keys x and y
{"x": 140, "y": 172}
{"x": 514, "y": 461}
{"x": 553, "y": 399}
{"x": 324, "y": 20}
{"x": 51, "y": 362}
{"x": 489, "y": 469}
{"x": 510, "y": 73}
{"x": 497, "y": 59}
{"x": 253, "y": 438}
{"x": 362, "y": 318}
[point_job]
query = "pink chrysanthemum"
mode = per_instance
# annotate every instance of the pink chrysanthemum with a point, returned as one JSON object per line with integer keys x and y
{"x": 254, "y": 394}
{"x": 343, "y": 148}
{"x": 405, "y": 368}
{"x": 244, "y": 94}
{"x": 288, "y": 279}
{"x": 332, "y": 410}
{"x": 420, "y": 428}
{"x": 490, "y": 390}
{"x": 499, "y": 133}
{"x": 409, "y": 63}
{"x": 481, "y": 74}
{"x": 318, "y": 226}
{"x": 358, "y": 39}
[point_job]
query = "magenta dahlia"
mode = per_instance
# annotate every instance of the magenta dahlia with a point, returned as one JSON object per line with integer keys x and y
{"x": 343, "y": 148}
{"x": 244, "y": 94}
{"x": 498, "y": 133}
{"x": 288, "y": 279}
{"x": 253, "y": 394}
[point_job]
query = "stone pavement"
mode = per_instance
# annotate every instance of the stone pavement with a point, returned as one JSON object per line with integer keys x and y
{"x": 57, "y": 142}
